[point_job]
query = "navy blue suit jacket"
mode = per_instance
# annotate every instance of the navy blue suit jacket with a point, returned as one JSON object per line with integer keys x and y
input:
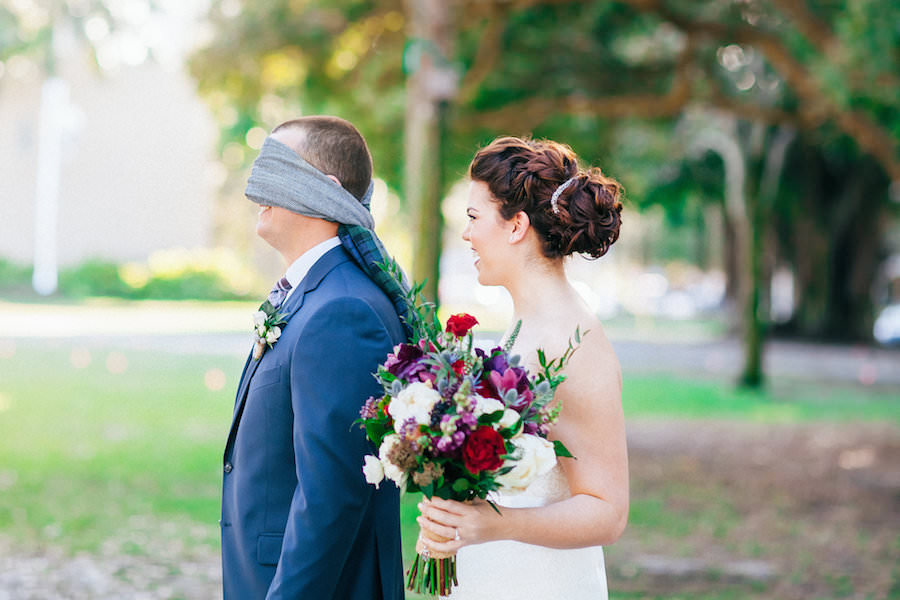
{"x": 298, "y": 518}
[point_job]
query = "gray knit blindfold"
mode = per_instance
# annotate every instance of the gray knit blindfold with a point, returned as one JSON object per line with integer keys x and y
{"x": 281, "y": 178}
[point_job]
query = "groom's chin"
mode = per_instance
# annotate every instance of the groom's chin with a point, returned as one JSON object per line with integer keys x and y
{"x": 265, "y": 231}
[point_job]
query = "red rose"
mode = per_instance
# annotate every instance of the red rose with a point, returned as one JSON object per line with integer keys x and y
{"x": 483, "y": 450}
{"x": 459, "y": 367}
{"x": 459, "y": 325}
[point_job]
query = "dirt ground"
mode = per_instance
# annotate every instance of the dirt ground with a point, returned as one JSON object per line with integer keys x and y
{"x": 720, "y": 510}
{"x": 768, "y": 511}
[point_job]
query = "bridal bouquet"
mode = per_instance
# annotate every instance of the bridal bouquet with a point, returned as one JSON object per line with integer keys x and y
{"x": 458, "y": 422}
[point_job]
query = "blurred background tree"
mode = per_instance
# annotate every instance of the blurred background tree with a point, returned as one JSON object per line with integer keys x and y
{"x": 783, "y": 114}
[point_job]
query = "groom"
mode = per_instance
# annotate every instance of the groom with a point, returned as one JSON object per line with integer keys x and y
{"x": 298, "y": 518}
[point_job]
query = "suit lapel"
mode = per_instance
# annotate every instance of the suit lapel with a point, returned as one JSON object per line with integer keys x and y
{"x": 293, "y": 304}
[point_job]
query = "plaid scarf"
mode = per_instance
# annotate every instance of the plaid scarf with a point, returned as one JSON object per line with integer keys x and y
{"x": 368, "y": 251}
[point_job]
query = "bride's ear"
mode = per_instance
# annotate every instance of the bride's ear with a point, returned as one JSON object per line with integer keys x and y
{"x": 520, "y": 223}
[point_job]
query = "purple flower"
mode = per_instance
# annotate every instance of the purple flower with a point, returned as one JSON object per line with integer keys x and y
{"x": 405, "y": 362}
{"x": 458, "y": 438}
{"x": 496, "y": 361}
{"x": 409, "y": 427}
{"x": 533, "y": 428}
{"x": 369, "y": 410}
{"x": 448, "y": 424}
{"x": 469, "y": 420}
{"x": 447, "y": 444}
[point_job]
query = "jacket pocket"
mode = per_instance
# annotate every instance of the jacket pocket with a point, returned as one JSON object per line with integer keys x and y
{"x": 266, "y": 377}
{"x": 268, "y": 548}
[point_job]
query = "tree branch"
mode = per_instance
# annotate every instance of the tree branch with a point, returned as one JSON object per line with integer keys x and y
{"x": 485, "y": 59}
{"x": 815, "y": 105}
{"x": 811, "y": 27}
{"x": 526, "y": 115}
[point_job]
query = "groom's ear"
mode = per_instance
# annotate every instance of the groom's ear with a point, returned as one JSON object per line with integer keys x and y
{"x": 520, "y": 223}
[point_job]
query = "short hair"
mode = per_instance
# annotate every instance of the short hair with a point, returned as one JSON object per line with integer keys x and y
{"x": 335, "y": 147}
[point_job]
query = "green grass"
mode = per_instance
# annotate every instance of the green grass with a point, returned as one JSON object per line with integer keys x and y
{"x": 88, "y": 456}
{"x": 783, "y": 401}
{"x": 82, "y": 451}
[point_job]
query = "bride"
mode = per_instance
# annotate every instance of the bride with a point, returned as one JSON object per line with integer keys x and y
{"x": 530, "y": 207}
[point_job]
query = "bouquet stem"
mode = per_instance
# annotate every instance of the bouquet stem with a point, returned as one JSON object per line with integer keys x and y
{"x": 432, "y": 576}
{"x": 432, "y": 573}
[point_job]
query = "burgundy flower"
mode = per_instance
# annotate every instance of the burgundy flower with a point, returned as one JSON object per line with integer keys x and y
{"x": 459, "y": 367}
{"x": 485, "y": 388}
{"x": 459, "y": 325}
{"x": 483, "y": 450}
{"x": 405, "y": 361}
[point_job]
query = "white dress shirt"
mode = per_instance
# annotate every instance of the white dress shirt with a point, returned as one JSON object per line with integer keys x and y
{"x": 300, "y": 267}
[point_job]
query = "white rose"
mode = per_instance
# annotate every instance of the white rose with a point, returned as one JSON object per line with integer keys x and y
{"x": 273, "y": 334}
{"x": 536, "y": 458}
{"x": 509, "y": 418}
{"x": 391, "y": 471}
{"x": 486, "y": 406}
{"x": 261, "y": 331}
{"x": 259, "y": 318}
{"x": 415, "y": 401}
{"x": 373, "y": 470}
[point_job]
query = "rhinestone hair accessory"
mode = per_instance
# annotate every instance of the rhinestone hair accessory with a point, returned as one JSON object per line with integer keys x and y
{"x": 554, "y": 199}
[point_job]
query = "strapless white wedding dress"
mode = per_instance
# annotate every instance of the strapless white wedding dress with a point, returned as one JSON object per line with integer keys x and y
{"x": 508, "y": 570}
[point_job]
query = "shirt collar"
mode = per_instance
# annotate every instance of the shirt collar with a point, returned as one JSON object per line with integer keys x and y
{"x": 300, "y": 267}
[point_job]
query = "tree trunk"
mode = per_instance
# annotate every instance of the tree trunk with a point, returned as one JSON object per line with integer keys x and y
{"x": 760, "y": 202}
{"x": 855, "y": 256}
{"x": 752, "y": 375}
{"x": 430, "y": 87}
{"x": 838, "y": 248}
{"x": 732, "y": 267}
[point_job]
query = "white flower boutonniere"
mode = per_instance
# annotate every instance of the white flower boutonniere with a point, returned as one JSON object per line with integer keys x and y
{"x": 267, "y": 324}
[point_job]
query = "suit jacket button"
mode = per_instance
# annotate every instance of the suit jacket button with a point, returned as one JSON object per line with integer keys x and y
{"x": 228, "y": 467}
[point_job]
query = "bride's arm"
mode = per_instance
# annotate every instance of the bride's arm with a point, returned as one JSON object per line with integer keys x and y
{"x": 593, "y": 428}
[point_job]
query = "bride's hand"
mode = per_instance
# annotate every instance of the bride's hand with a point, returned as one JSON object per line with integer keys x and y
{"x": 461, "y": 523}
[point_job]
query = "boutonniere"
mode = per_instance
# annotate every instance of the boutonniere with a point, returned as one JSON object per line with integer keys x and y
{"x": 266, "y": 328}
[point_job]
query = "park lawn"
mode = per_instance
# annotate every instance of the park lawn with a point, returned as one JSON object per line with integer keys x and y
{"x": 92, "y": 459}
{"x": 85, "y": 451}
{"x": 782, "y": 401}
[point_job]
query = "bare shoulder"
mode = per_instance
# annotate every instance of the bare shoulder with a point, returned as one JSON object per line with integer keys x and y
{"x": 592, "y": 371}
{"x": 593, "y": 368}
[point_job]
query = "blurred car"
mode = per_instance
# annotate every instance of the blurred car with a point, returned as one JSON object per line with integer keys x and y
{"x": 887, "y": 325}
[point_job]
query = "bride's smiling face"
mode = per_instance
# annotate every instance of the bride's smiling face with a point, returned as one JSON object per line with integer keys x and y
{"x": 488, "y": 234}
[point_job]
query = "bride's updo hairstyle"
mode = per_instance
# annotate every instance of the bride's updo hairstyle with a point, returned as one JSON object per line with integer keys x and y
{"x": 523, "y": 174}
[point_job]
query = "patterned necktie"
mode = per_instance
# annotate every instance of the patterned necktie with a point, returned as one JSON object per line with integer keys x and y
{"x": 279, "y": 292}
